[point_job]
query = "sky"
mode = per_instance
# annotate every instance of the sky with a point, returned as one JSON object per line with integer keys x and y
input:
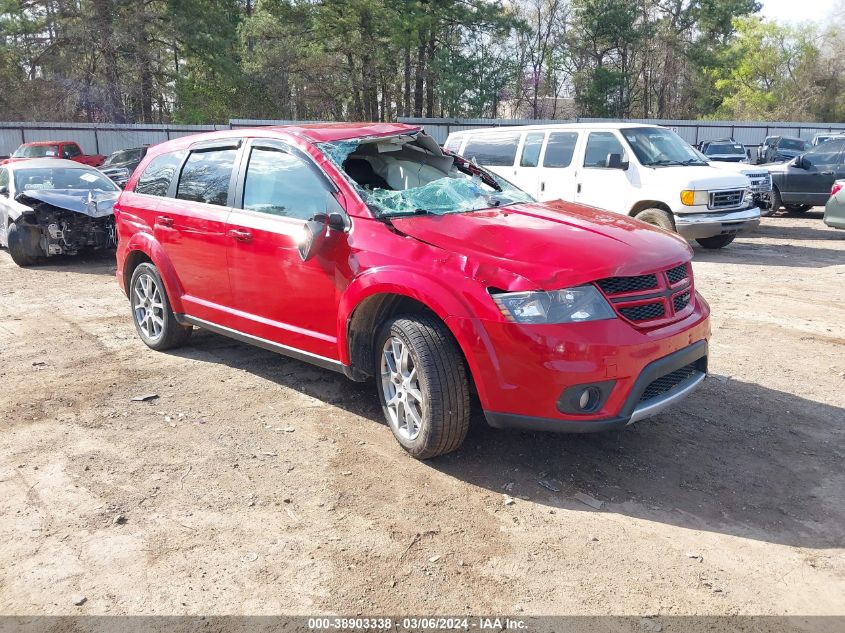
{"x": 796, "y": 11}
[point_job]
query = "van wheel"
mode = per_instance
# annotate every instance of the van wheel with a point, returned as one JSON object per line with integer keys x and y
{"x": 19, "y": 241}
{"x": 717, "y": 241}
{"x": 422, "y": 383}
{"x": 154, "y": 319}
{"x": 657, "y": 217}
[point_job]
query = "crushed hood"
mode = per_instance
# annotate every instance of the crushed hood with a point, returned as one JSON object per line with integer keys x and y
{"x": 553, "y": 245}
{"x": 93, "y": 204}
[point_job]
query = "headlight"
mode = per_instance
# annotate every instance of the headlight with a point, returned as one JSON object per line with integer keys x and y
{"x": 572, "y": 305}
{"x": 691, "y": 198}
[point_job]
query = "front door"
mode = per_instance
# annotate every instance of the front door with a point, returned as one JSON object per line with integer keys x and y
{"x": 558, "y": 169}
{"x": 191, "y": 227}
{"x": 598, "y": 185}
{"x": 527, "y": 170}
{"x": 280, "y": 297}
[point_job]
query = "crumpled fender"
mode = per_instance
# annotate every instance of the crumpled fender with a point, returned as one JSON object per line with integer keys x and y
{"x": 147, "y": 244}
{"x": 429, "y": 290}
{"x": 95, "y": 205}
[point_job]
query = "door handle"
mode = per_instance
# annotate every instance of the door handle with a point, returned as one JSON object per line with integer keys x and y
{"x": 241, "y": 235}
{"x": 827, "y": 173}
{"x": 164, "y": 220}
{"x": 542, "y": 186}
{"x": 578, "y": 190}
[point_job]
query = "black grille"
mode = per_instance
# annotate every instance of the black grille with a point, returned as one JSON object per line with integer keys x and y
{"x": 681, "y": 301}
{"x": 619, "y": 285}
{"x": 677, "y": 273}
{"x": 667, "y": 382}
{"x": 643, "y": 312}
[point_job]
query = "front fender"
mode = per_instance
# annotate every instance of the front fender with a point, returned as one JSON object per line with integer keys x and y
{"x": 147, "y": 244}
{"x": 458, "y": 312}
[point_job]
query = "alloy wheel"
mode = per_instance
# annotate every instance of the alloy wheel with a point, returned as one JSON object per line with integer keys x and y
{"x": 402, "y": 394}
{"x": 148, "y": 306}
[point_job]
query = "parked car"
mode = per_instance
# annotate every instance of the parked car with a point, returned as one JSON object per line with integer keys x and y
{"x": 643, "y": 171}
{"x": 759, "y": 177}
{"x": 366, "y": 249}
{"x": 726, "y": 150}
{"x": 51, "y": 206}
{"x": 805, "y": 181}
{"x": 120, "y": 165}
{"x": 834, "y": 210}
{"x": 764, "y": 148}
{"x": 68, "y": 150}
{"x": 784, "y": 148}
{"x": 824, "y": 137}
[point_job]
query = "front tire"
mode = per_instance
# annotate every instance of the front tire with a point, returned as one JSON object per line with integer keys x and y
{"x": 657, "y": 217}
{"x": 717, "y": 241}
{"x": 17, "y": 244}
{"x": 154, "y": 319}
{"x": 422, "y": 382}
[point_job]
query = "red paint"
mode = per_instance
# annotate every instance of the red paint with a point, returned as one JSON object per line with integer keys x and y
{"x": 94, "y": 160}
{"x": 260, "y": 286}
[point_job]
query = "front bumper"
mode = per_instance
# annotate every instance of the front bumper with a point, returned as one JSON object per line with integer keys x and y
{"x": 700, "y": 225}
{"x": 638, "y": 406}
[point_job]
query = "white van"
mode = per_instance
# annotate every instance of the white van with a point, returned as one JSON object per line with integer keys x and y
{"x": 644, "y": 171}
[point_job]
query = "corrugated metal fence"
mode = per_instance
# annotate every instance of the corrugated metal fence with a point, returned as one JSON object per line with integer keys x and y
{"x": 97, "y": 138}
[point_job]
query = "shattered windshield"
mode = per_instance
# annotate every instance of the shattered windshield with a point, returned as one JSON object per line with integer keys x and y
{"x": 659, "y": 147}
{"x": 36, "y": 151}
{"x": 51, "y": 178}
{"x": 409, "y": 174}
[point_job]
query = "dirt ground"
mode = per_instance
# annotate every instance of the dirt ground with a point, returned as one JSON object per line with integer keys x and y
{"x": 255, "y": 484}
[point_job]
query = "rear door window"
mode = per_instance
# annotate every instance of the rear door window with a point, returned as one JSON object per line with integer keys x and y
{"x": 599, "y": 146}
{"x": 282, "y": 184}
{"x": 156, "y": 179}
{"x": 531, "y": 149}
{"x": 206, "y": 176}
{"x": 559, "y": 149}
{"x": 494, "y": 150}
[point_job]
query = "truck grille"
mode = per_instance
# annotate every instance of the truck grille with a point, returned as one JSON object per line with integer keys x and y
{"x": 727, "y": 199}
{"x": 653, "y": 299}
{"x": 761, "y": 182}
{"x": 669, "y": 381}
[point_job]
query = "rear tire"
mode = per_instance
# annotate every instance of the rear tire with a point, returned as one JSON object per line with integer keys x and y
{"x": 422, "y": 383}
{"x": 17, "y": 244}
{"x": 657, "y": 217}
{"x": 717, "y": 241}
{"x": 154, "y": 319}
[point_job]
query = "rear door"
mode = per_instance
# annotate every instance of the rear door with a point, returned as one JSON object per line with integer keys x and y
{"x": 558, "y": 168}
{"x": 191, "y": 227}
{"x": 278, "y": 296}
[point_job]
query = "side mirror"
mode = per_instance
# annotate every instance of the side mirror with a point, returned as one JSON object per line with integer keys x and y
{"x": 313, "y": 236}
{"x": 614, "y": 161}
{"x": 799, "y": 162}
{"x": 4, "y": 191}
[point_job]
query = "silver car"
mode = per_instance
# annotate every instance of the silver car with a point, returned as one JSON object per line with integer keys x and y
{"x": 51, "y": 206}
{"x": 834, "y": 210}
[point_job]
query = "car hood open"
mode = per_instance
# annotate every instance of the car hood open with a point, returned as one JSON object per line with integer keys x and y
{"x": 553, "y": 245}
{"x": 93, "y": 204}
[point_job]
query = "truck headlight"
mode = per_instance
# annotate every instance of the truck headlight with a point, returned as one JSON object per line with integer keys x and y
{"x": 571, "y": 305}
{"x": 691, "y": 198}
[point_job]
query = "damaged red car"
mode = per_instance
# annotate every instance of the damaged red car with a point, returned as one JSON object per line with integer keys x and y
{"x": 368, "y": 250}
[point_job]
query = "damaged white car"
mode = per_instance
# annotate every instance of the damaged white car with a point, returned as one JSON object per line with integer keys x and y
{"x": 54, "y": 207}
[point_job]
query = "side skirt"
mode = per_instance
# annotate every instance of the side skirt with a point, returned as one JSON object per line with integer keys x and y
{"x": 292, "y": 352}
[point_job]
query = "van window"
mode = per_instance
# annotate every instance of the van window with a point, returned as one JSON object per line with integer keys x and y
{"x": 495, "y": 150}
{"x": 454, "y": 143}
{"x": 206, "y": 175}
{"x": 599, "y": 145}
{"x": 279, "y": 183}
{"x": 531, "y": 149}
{"x": 559, "y": 149}
{"x": 155, "y": 181}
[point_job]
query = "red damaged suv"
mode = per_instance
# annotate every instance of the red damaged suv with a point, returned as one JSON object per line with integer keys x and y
{"x": 369, "y": 250}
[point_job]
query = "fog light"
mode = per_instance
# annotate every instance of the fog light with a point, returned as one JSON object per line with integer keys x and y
{"x": 585, "y": 399}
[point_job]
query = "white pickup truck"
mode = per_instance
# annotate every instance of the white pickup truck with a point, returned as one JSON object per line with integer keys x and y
{"x": 645, "y": 171}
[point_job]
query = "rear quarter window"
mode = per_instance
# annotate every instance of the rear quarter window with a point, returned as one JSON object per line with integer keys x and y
{"x": 495, "y": 150}
{"x": 156, "y": 179}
